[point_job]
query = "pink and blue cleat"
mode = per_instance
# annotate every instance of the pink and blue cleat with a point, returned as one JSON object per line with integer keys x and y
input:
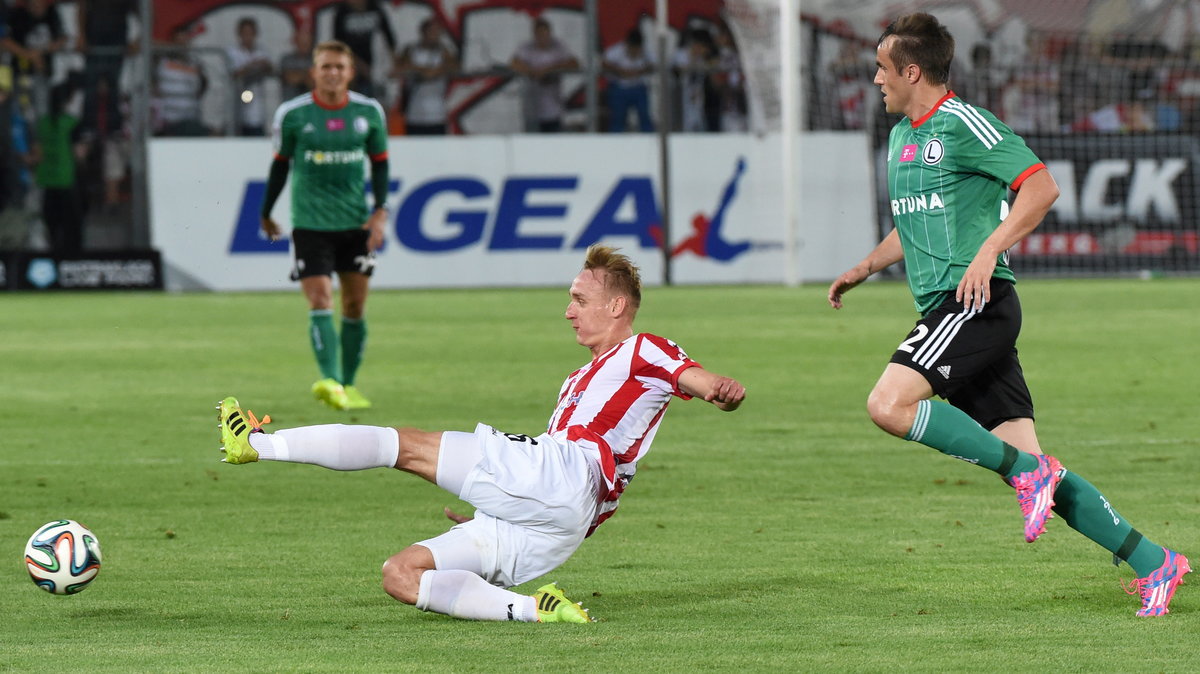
{"x": 1158, "y": 588}
{"x": 1035, "y": 494}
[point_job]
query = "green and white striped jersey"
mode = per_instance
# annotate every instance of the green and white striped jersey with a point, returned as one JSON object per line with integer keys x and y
{"x": 948, "y": 179}
{"x": 327, "y": 147}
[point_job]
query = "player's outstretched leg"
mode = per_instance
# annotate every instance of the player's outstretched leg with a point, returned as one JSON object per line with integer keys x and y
{"x": 334, "y": 446}
{"x": 236, "y": 427}
{"x": 1035, "y": 494}
{"x": 1158, "y": 587}
{"x": 463, "y": 594}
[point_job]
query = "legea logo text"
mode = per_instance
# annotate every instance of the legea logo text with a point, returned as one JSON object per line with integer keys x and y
{"x": 518, "y": 220}
{"x": 455, "y": 212}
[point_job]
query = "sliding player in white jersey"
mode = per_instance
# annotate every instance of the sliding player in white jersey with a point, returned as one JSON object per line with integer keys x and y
{"x": 536, "y": 498}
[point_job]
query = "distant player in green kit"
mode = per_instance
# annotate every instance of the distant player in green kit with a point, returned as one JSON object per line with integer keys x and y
{"x": 326, "y": 135}
{"x": 950, "y": 166}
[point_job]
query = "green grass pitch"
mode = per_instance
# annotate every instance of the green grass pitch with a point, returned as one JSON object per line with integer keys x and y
{"x": 790, "y": 535}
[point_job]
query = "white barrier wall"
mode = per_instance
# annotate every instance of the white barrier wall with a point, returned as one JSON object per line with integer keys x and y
{"x": 520, "y": 210}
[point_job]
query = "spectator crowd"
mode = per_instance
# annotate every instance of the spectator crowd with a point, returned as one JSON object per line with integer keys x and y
{"x": 1059, "y": 83}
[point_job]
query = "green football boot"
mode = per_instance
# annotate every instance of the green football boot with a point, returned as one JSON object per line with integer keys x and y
{"x": 236, "y": 427}
{"x": 554, "y": 607}
{"x": 332, "y": 393}
{"x": 354, "y": 399}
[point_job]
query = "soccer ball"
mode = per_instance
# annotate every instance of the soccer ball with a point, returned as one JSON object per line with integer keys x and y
{"x": 63, "y": 557}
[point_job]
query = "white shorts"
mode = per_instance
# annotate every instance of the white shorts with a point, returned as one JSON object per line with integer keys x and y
{"x": 535, "y": 500}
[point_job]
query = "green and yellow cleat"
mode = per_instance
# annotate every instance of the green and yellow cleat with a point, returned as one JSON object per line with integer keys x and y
{"x": 332, "y": 393}
{"x": 236, "y": 427}
{"x": 354, "y": 399}
{"x": 554, "y": 607}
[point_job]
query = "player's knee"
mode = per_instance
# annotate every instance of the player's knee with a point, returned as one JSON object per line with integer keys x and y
{"x": 353, "y": 308}
{"x": 319, "y": 300}
{"x": 418, "y": 450}
{"x": 887, "y": 412}
{"x": 401, "y": 579}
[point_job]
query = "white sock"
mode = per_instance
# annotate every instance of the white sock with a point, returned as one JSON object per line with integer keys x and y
{"x": 335, "y": 446}
{"x": 463, "y": 594}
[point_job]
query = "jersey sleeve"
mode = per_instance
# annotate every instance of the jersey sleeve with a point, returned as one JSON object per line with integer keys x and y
{"x": 662, "y": 361}
{"x": 377, "y": 138}
{"x": 283, "y": 135}
{"x": 988, "y": 146}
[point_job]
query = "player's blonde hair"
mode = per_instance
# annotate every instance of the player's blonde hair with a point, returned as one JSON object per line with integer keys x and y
{"x": 336, "y": 46}
{"x": 621, "y": 274}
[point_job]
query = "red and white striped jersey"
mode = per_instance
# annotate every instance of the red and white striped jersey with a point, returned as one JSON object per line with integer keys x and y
{"x": 615, "y": 403}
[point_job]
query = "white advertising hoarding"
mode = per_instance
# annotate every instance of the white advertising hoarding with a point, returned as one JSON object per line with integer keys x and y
{"x": 516, "y": 211}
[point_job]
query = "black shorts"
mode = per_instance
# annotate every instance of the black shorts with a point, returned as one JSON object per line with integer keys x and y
{"x": 970, "y": 357}
{"x": 322, "y": 253}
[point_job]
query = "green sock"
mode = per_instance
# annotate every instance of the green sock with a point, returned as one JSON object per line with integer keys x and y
{"x": 324, "y": 342}
{"x": 949, "y": 430}
{"x": 1083, "y": 507}
{"x": 354, "y": 342}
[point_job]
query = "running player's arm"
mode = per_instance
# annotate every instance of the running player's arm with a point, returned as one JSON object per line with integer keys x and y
{"x": 1036, "y": 192}
{"x": 377, "y": 150}
{"x": 886, "y": 254}
{"x": 377, "y": 222}
{"x": 724, "y": 392}
{"x": 276, "y": 179}
{"x": 283, "y": 137}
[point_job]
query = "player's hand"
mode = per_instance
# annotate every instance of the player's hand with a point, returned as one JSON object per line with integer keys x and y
{"x": 726, "y": 393}
{"x": 272, "y": 229}
{"x": 844, "y": 283}
{"x": 376, "y": 224}
{"x": 974, "y": 290}
{"x": 455, "y": 517}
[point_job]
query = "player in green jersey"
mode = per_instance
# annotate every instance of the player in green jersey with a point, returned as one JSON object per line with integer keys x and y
{"x": 325, "y": 136}
{"x": 950, "y": 166}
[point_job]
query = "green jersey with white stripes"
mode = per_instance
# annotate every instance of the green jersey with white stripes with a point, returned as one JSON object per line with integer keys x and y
{"x": 327, "y": 147}
{"x": 948, "y": 179}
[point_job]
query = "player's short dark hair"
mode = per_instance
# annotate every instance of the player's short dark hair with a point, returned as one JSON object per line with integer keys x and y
{"x": 621, "y": 274}
{"x": 336, "y": 46}
{"x": 246, "y": 21}
{"x": 921, "y": 40}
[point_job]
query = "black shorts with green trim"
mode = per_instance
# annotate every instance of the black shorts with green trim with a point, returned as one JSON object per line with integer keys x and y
{"x": 969, "y": 357}
{"x": 320, "y": 253}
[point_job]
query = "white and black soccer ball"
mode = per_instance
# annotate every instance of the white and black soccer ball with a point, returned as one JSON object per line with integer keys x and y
{"x": 63, "y": 557}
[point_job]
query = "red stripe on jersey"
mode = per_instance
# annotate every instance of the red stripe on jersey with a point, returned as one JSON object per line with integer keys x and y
{"x": 635, "y": 449}
{"x": 668, "y": 347}
{"x": 683, "y": 395}
{"x": 336, "y": 106}
{"x": 600, "y": 520}
{"x": 608, "y": 464}
{"x": 617, "y": 406}
{"x": 581, "y": 386}
{"x": 925, "y": 118}
{"x": 1016, "y": 184}
{"x": 379, "y": 157}
{"x": 566, "y": 387}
